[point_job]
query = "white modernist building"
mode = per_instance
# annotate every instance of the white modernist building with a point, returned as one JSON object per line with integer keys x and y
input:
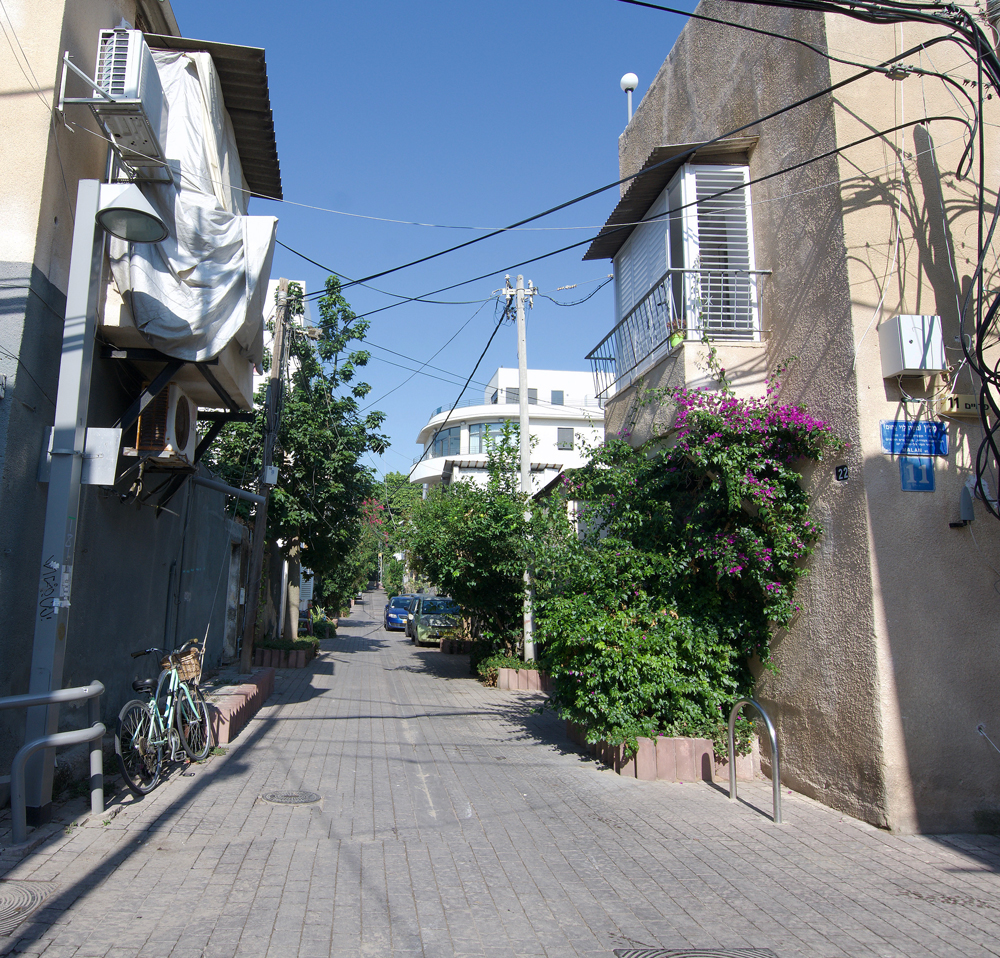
{"x": 565, "y": 418}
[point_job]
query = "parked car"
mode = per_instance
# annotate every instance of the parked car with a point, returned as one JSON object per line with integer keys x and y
{"x": 416, "y": 597}
{"x": 396, "y": 610}
{"x": 435, "y": 617}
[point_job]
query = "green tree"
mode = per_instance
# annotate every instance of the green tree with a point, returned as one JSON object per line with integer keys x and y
{"x": 322, "y": 483}
{"x": 471, "y": 542}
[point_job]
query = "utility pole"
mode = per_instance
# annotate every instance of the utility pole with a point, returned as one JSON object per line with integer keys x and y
{"x": 519, "y": 293}
{"x": 268, "y": 476}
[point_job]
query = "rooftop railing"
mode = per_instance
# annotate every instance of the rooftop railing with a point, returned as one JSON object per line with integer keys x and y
{"x": 569, "y": 402}
{"x": 685, "y": 304}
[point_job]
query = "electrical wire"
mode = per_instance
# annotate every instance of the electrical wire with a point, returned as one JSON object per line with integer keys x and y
{"x": 435, "y": 354}
{"x": 692, "y": 203}
{"x": 489, "y": 343}
{"x": 578, "y": 301}
{"x": 385, "y": 292}
{"x": 643, "y": 172}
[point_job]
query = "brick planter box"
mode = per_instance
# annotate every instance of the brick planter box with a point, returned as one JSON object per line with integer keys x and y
{"x": 456, "y": 646}
{"x": 660, "y": 759}
{"x": 282, "y": 658}
{"x": 232, "y": 706}
{"x": 525, "y": 680}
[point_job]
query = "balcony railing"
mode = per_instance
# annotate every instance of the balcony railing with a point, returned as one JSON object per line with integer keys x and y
{"x": 684, "y": 304}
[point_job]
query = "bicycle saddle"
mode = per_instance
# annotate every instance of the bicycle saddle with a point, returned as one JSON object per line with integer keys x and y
{"x": 144, "y": 685}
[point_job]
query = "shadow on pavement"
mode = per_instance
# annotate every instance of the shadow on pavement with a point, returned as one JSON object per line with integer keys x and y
{"x": 983, "y": 849}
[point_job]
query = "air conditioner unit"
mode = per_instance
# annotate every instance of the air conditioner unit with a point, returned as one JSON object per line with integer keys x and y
{"x": 167, "y": 428}
{"x": 136, "y": 119}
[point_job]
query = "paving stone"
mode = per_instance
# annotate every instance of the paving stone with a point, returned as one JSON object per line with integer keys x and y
{"x": 460, "y": 820}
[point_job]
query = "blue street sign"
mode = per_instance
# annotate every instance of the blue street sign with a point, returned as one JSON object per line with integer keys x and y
{"x": 907, "y": 438}
{"x": 916, "y": 473}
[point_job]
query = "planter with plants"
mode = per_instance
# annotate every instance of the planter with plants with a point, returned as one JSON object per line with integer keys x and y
{"x": 282, "y": 654}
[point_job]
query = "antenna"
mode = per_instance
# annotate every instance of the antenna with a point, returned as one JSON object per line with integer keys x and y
{"x": 628, "y": 83}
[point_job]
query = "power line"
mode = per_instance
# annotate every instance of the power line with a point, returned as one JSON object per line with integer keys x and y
{"x": 385, "y": 292}
{"x": 440, "y": 349}
{"x": 489, "y": 343}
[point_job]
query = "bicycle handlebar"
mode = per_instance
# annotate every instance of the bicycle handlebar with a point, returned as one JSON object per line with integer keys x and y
{"x": 184, "y": 647}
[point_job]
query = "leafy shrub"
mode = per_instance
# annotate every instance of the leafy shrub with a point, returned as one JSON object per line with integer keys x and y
{"x": 303, "y": 643}
{"x": 690, "y": 550}
{"x": 488, "y": 668}
{"x": 470, "y": 541}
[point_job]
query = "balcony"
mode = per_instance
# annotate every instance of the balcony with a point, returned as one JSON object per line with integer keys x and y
{"x": 684, "y": 305}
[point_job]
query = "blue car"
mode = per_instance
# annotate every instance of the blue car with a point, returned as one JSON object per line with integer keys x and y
{"x": 396, "y": 611}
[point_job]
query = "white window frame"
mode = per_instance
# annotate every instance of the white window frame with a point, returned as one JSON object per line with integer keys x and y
{"x": 648, "y": 260}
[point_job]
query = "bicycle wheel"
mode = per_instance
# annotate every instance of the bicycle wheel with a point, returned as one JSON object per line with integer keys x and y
{"x": 139, "y": 760}
{"x": 193, "y": 723}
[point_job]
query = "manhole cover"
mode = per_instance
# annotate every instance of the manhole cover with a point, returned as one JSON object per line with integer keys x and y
{"x": 694, "y": 953}
{"x": 283, "y": 796}
{"x": 18, "y": 899}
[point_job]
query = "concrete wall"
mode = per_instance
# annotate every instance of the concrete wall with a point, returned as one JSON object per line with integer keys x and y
{"x": 891, "y": 662}
{"x": 935, "y": 606}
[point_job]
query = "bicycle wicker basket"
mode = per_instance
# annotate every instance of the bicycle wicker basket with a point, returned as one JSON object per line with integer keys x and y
{"x": 188, "y": 665}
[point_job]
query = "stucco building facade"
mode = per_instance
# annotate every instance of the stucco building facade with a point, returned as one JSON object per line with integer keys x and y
{"x": 893, "y": 660}
{"x": 565, "y": 419}
{"x": 149, "y": 569}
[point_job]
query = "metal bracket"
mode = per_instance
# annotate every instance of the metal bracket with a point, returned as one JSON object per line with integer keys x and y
{"x": 132, "y": 414}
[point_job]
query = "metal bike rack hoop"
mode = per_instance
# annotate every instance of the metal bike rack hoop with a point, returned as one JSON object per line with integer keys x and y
{"x": 775, "y": 766}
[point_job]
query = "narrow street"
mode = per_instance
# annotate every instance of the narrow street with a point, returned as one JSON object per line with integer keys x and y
{"x": 456, "y": 820}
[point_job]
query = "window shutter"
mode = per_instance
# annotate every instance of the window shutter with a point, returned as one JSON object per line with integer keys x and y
{"x": 725, "y": 299}
{"x": 642, "y": 261}
{"x": 564, "y": 437}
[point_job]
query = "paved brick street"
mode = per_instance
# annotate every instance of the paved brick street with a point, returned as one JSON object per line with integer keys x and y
{"x": 456, "y": 820}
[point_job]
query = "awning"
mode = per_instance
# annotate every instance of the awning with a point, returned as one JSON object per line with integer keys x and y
{"x": 644, "y": 189}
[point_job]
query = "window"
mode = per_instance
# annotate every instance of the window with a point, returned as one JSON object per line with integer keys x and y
{"x": 690, "y": 270}
{"x": 512, "y": 394}
{"x": 564, "y": 437}
{"x": 495, "y": 397}
{"x": 533, "y": 396}
{"x": 448, "y": 442}
{"x": 557, "y": 397}
{"x": 480, "y": 434}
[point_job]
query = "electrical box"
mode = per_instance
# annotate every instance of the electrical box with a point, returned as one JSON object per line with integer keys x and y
{"x": 911, "y": 346}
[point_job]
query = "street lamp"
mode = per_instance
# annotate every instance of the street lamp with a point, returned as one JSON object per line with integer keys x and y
{"x": 124, "y": 212}
{"x": 120, "y": 209}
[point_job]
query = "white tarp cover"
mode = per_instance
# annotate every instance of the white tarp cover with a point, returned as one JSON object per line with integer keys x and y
{"x": 201, "y": 287}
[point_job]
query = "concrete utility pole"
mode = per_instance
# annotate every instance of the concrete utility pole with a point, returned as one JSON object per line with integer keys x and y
{"x": 63, "y": 502}
{"x": 518, "y": 293}
{"x": 272, "y": 403}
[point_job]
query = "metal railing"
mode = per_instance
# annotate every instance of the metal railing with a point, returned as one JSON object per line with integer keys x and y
{"x": 93, "y": 734}
{"x": 775, "y": 764}
{"x": 570, "y": 402}
{"x": 684, "y": 304}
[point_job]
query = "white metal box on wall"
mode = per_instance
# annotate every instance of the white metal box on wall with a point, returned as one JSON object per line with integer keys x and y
{"x": 911, "y": 346}
{"x": 135, "y": 119}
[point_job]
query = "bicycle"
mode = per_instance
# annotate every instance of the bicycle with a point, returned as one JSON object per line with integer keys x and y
{"x": 144, "y": 731}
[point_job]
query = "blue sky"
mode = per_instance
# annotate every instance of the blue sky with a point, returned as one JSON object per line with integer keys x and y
{"x": 460, "y": 114}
